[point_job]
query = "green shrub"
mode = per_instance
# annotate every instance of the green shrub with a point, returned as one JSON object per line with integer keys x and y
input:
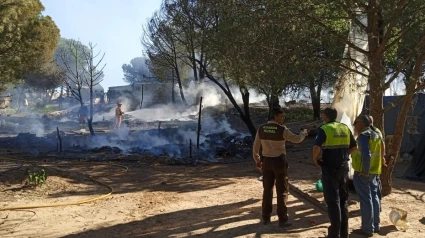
{"x": 37, "y": 178}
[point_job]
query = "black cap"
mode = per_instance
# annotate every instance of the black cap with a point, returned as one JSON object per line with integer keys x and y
{"x": 276, "y": 111}
{"x": 331, "y": 113}
{"x": 364, "y": 119}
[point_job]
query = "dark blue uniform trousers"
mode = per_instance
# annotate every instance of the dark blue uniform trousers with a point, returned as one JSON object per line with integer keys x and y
{"x": 335, "y": 191}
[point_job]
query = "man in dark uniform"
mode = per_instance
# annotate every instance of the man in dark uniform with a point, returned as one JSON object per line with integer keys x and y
{"x": 336, "y": 142}
{"x": 271, "y": 137}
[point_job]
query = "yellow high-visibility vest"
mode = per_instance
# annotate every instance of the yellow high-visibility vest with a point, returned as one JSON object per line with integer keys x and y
{"x": 375, "y": 153}
{"x": 337, "y": 135}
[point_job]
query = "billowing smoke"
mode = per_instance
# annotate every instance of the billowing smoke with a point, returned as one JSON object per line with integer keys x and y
{"x": 211, "y": 125}
{"x": 168, "y": 129}
{"x": 37, "y": 128}
{"x": 110, "y": 114}
{"x": 167, "y": 112}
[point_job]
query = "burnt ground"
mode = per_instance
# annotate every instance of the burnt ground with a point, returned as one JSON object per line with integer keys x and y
{"x": 152, "y": 197}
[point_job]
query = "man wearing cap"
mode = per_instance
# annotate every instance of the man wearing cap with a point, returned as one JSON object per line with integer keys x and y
{"x": 336, "y": 142}
{"x": 271, "y": 138}
{"x": 367, "y": 165}
{"x": 384, "y": 162}
{"x": 118, "y": 115}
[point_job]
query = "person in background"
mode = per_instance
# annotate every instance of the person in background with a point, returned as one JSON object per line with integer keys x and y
{"x": 26, "y": 104}
{"x": 271, "y": 138}
{"x": 60, "y": 102}
{"x": 336, "y": 142}
{"x": 82, "y": 114}
{"x": 367, "y": 165}
{"x": 118, "y": 115}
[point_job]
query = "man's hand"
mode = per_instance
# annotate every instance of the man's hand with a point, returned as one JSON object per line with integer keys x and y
{"x": 259, "y": 164}
{"x": 316, "y": 155}
{"x": 384, "y": 162}
{"x": 317, "y": 162}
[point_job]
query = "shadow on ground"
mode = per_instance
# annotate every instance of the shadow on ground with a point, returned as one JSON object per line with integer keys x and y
{"x": 230, "y": 220}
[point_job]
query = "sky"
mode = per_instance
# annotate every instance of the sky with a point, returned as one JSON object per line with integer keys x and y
{"x": 114, "y": 25}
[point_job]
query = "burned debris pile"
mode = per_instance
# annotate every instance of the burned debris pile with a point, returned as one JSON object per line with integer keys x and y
{"x": 225, "y": 144}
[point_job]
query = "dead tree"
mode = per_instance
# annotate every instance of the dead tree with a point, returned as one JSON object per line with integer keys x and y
{"x": 92, "y": 77}
{"x": 74, "y": 67}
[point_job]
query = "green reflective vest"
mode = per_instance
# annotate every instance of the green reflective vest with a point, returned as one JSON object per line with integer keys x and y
{"x": 375, "y": 153}
{"x": 337, "y": 135}
{"x": 375, "y": 129}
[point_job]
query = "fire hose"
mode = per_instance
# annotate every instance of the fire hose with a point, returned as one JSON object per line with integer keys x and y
{"x": 111, "y": 190}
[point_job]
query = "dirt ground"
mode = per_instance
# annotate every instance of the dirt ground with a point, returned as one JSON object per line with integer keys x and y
{"x": 151, "y": 199}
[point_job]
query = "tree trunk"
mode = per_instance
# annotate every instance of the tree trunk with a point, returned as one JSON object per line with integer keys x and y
{"x": 173, "y": 97}
{"x": 90, "y": 123}
{"x": 273, "y": 102}
{"x": 375, "y": 57}
{"x": 201, "y": 71}
{"x": 180, "y": 86}
{"x": 394, "y": 149}
{"x": 376, "y": 100}
{"x": 377, "y": 76}
{"x": 315, "y": 96}
{"x": 246, "y": 117}
{"x": 194, "y": 67}
{"x": 199, "y": 123}
{"x": 141, "y": 101}
{"x": 245, "y": 97}
{"x": 90, "y": 120}
{"x": 316, "y": 108}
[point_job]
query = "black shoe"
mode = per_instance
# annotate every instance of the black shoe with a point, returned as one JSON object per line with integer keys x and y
{"x": 361, "y": 232}
{"x": 377, "y": 231}
{"x": 285, "y": 224}
{"x": 266, "y": 221}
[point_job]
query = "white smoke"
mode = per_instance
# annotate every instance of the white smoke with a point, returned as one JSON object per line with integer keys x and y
{"x": 168, "y": 139}
{"x": 37, "y": 128}
{"x": 167, "y": 112}
{"x": 213, "y": 95}
{"x": 211, "y": 126}
{"x": 110, "y": 115}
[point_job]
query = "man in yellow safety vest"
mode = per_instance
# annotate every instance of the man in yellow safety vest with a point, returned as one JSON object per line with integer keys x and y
{"x": 367, "y": 165}
{"x": 336, "y": 142}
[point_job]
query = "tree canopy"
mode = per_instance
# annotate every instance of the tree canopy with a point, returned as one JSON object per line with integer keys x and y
{"x": 27, "y": 39}
{"x": 136, "y": 71}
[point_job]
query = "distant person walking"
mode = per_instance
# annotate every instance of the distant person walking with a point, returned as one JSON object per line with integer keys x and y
{"x": 118, "y": 115}
{"x": 271, "y": 138}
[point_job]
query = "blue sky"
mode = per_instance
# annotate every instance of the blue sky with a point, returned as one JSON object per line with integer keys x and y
{"x": 114, "y": 25}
